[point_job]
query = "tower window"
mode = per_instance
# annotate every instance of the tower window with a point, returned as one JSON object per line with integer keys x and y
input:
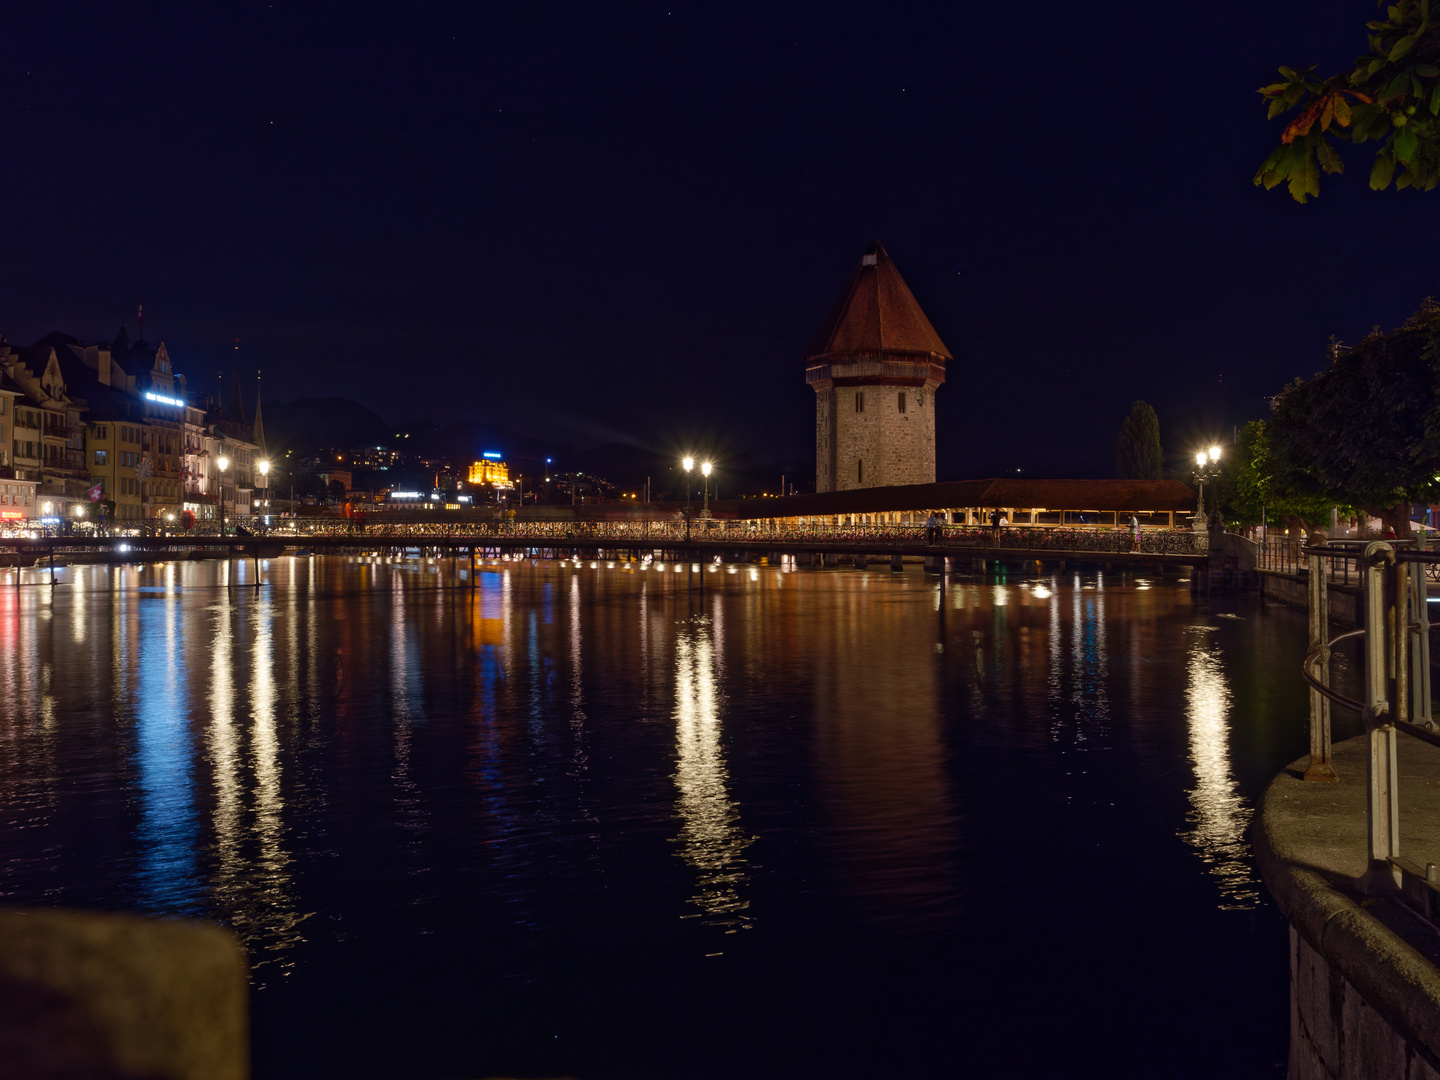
{"x": 902, "y": 400}
{"x": 859, "y": 472}
{"x": 859, "y": 400}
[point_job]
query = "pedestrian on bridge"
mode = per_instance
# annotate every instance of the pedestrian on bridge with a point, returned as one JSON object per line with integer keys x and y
{"x": 931, "y": 525}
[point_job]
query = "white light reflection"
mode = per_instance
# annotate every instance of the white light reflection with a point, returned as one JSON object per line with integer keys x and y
{"x": 275, "y": 910}
{"x": 710, "y": 836}
{"x": 1218, "y": 813}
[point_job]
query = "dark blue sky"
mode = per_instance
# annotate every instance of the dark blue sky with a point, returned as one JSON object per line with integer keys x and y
{"x": 626, "y": 220}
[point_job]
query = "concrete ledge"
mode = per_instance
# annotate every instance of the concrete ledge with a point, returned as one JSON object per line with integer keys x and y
{"x": 111, "y": 996}
{"x": 1354, "y": 960}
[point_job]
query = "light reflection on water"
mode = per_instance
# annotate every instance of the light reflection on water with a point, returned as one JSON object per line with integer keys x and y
{"x": 358, "y": 751}
{"x": 1219, "y": 813}
{"x": 711, "y": 838}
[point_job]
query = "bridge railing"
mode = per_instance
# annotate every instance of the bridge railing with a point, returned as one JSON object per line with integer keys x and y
{"x": 742, "y": 534}
{"x": 1395, "y": 697}
{"x": 1285, "y": 555}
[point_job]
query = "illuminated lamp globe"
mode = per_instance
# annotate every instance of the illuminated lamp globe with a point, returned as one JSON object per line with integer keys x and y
{"x": 224, "y": 463}
{"x": 1200, "y": 458}
{"x": 264, "y": 468}
{"x": 705, "y": 468}
{"x": 689, "y": 463}
{"x": 1214, "y": 453}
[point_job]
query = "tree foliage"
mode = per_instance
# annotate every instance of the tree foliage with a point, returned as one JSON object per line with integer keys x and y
{"x": 1391, "y": 95}
{"x": 1260, "y": 487}
{"x": 1137, "y": 448}
{"x": 1365, "y": 432}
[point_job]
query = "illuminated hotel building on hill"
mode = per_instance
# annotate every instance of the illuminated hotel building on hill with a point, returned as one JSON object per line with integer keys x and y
{"x": 490, "y": 470}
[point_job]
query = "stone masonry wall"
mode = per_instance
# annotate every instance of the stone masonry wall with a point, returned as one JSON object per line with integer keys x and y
{"x": 825, "y": 439}
{"x": 878, "y": 446}
{"x": 1335, "y": 1034}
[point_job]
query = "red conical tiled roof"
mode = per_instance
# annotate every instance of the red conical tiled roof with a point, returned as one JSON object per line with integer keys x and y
{"x": 876, "y": 314}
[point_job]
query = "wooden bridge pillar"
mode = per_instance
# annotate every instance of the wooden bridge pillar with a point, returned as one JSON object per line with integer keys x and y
{"x": 831, "y": 559}
{"x": 897, "y": 563}
{"x": 935, "y": 564}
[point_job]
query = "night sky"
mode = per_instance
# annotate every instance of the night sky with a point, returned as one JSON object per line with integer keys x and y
{"x": 622, "y": 222}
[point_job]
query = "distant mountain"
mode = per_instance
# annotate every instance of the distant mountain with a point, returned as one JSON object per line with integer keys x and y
{"x": 303, "y": 424}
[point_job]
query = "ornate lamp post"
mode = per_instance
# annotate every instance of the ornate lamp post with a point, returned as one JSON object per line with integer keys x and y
{"x": 688, "y": 464}
{"x": 224, "y": 463}
{"x": 1207, "y": 467}
{"x": 705, "y": 469}
{"x": 264, "y": 467}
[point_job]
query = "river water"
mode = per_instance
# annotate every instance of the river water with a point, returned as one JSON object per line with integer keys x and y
{"x": 592, "y": 820}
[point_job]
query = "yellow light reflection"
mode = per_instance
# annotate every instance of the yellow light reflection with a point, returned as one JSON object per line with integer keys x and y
{"x": 710, "y": 835}
{"x": 1218, "y": 814}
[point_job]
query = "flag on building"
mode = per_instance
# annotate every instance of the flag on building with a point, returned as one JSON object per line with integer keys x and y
{"x": 97, "y": 492}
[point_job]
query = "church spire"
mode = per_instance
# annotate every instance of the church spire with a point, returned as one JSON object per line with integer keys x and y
{"x": 237, "y": 399}
{"x": 259, "y": 429}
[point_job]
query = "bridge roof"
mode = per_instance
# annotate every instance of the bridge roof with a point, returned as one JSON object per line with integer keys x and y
{"x": 876, "y": 314}
{"x": 1152, "y": 495}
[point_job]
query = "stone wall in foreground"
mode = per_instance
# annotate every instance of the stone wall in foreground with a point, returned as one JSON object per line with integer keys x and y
{"x": 1335, "y": 1034}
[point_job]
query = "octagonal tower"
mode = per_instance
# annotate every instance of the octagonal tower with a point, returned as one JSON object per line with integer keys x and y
{"x": 875, "y": 365}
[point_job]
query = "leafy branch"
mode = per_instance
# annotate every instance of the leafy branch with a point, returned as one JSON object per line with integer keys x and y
{"x": 1390, "y": 95}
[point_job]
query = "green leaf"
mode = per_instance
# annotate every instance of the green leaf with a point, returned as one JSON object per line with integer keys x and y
{"x": 1406, "y": 142}
{"x": 1401, "y": 47}
{"x": 1289, "y": 73}
{"x": 1382, "y": 171}
{"x": 1293, "y": 160}
{"x": 1427, "y": 71}
{"x": 1327, "y": 113}
{"x": 1342, "y": 110}
{"x": 1329, "y": 159}
{"x": 1435, "y": 101}
{"x": 1403, "y": 182}
{"x": 1277, "y": 107}
{"x": 1367, "y": 117}
{"x": 1305, "y": 181}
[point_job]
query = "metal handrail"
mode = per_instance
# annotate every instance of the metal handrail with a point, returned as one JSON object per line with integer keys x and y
{"x": 1395, "y": 635}
{"x": 1314, "y": 655}
{"x": 1422, "y": 733}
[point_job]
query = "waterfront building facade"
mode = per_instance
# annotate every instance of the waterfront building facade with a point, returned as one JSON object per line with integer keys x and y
{"x": 47, "y": 444}
{"x": 875, "y": 365}
{"x": 86, "y": 426}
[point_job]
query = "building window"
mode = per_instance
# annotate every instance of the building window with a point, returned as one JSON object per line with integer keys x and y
{"x": 859, "y": 400}
{"x": 99, "y": 457}
{"x": 859, "y": 471}
{"x": 902, "y": 400}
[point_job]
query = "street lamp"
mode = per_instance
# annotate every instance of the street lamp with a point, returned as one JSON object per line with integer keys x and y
{"x": 224, "y": 463}
{"x": 705, "y": 469}
{"x": 1207, "y": 467}
{"x": 263, "y": 466}
{"x": 688, "y": 464}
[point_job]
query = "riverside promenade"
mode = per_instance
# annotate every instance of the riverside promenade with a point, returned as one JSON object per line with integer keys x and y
{"x": 1364, "y": 967}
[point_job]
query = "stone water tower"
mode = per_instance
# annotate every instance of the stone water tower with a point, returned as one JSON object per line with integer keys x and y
{"x": 875, "y": 365}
